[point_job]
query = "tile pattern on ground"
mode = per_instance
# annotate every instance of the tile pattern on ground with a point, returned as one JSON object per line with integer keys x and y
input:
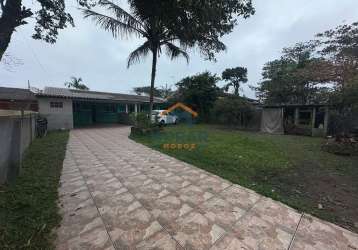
{"x": 117, "y": 194}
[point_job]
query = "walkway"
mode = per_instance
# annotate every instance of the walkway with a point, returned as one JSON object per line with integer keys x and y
{"x": 117, "y": 194}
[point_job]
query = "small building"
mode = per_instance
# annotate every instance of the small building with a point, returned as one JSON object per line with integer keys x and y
{"x": 307, "y": 119}
{"x": 17, "y": 99}
{"x": 70, "y": 108}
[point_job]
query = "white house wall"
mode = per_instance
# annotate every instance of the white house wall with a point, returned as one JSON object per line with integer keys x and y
{"x": 57, "y": 118}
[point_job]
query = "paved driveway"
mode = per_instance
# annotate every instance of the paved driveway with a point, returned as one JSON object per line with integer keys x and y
{"x": 117, "y": 194}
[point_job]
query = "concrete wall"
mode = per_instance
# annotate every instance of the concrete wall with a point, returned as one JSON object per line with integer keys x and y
{"x": 57, "y": 118}
{"x": 16, "y": 134}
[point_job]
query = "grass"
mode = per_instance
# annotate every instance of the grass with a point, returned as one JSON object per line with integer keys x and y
{"x": 291, "y": 169}
{"x": 28, "y": 207}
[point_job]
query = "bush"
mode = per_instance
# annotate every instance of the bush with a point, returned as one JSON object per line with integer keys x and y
{"x": 142, "y": 125}
{"x": 141, "y": 120}
{"x": 233, "y": 111}
{"x": 345, "y": 146}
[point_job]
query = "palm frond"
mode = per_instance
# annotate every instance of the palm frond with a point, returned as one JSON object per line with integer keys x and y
{"x": 111, "y": 24}
{"x": 174, "y": 51}
{"x": 136, "y": 55}
{"x": 121, "y": 14}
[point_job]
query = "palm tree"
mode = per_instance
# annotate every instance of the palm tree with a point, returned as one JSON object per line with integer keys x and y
{"x": 143, "y": 23}
{"x": 76, "y": 83}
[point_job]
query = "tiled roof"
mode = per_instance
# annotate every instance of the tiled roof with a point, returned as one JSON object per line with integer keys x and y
{"x": 16, "y": 94}
{"x": 94, "y": 95}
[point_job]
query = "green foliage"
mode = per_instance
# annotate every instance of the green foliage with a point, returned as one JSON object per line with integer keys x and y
{"x": 199, "y": 92}
{"x": 140, "y": 120}
{"x": 294, "y": 78}
{"x": 75, "y": 83}
{"x": 302, "y": 73}
{"x": 140, "y": 21}
{"x": 171, "y": 26}
{"x": 28, "y": 207}
{"x": 233, "y": 111}
{"x": 345, "y": 101}
{"x": 195, "y": 23}
{"x": 235, "y": 76}
{"x": 340, "y": 47}
{"x": 201, "y": 23}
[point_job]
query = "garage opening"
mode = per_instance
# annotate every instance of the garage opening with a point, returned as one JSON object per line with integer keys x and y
{"x": 92, "y": 113}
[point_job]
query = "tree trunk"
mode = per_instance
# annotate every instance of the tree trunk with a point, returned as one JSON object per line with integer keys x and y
{"x": 152, "y": 82}
{"x": 236, "y": 88}
{"x": 12, "y": 16}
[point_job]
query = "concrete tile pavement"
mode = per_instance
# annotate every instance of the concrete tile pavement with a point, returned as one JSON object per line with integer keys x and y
{"x": 117, "y": 194}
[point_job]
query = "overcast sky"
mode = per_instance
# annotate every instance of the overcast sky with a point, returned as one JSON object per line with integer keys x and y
{"x": 88, "y": 52}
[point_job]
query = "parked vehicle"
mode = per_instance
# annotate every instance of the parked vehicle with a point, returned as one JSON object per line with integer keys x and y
{"x": 162, "y": 117}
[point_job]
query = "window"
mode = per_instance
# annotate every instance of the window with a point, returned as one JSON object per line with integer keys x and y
{"x": 58, "y": 105}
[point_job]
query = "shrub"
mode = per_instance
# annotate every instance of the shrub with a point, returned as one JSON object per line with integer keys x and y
{"x": 142, "y": 125}
{"x": 233, "y": 111}
{"x": 141, "y": 120}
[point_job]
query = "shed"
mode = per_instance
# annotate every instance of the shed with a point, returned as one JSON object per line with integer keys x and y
{"x": 299, "y": 119}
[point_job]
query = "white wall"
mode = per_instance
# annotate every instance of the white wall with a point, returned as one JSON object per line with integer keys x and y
{"x": 58, "y": 118}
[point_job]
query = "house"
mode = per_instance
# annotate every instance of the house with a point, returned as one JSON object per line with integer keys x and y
{"x": 17, "y": 99}
{"x": 70, "y": 108}
{"x": 299, "y": 119}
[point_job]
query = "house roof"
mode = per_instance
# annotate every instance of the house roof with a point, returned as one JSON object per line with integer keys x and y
{"x": 16, "y": 94}
{"x": 94, "y": 95}
{"x": 294, "y": 105}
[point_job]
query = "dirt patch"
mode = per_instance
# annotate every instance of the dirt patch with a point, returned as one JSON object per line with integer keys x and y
{"x": 328, "y": 194}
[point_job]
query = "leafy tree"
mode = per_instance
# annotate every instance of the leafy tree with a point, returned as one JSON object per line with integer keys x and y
{"x": 235, "y": 76}
{"x": 172, "y": 26}
{"x": 75, "y": 83}
{"x": 340, "y": 46}
{"x": 294, "y": 78}
{"x": 50, "y": 18}
{"x": 200, "y": 92}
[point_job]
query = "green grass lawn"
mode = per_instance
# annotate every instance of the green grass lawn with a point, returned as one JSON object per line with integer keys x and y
{"x": 28, "y": 207}
{"x": 291, "y": 169}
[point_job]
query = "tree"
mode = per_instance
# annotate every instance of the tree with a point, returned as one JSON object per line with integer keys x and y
{"x": 76, "y": 84}
{"x": 295, "y": 78}
{"x": 340, "y": 47}
{"x": 50, "y": 18}
{"x": 235, "y": 76}
{"x": 172, "y": 26}
{"x": 200, "y": 92}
